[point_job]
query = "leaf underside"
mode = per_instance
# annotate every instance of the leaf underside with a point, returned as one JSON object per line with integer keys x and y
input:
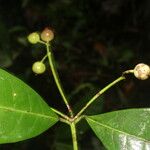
{"x": 23, "y": 113}
{"x": 123, "y": 130}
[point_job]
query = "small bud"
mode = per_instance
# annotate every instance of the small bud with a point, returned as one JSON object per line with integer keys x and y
{"x": 142, "y": 71}
{"x": 47, "y": 35}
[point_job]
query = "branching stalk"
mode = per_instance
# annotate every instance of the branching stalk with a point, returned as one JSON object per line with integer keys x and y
{"x": 56, "y": 78}
{"x": 71, "y": 120}
{"x": 98, "y": 94}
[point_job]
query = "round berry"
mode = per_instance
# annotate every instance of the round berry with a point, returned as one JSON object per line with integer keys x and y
{"x": 33, "y": 38}
{"x": 142, "y": 71}
{"x": 47, "y": 35}
{"x": 38, "y": 67}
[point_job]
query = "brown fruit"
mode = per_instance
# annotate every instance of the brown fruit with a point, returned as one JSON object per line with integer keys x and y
{"x": 47, "y": 35}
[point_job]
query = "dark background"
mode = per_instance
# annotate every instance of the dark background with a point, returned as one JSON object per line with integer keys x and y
{"x": 95, "y": 41}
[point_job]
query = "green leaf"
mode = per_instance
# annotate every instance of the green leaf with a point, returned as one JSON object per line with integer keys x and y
{"x": 123, "y": 130}
{"x": 23, "y": 113}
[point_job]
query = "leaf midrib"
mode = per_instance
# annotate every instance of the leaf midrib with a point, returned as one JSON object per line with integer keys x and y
{"x": 26, "y": 112}
{"x": 109, "y": 127}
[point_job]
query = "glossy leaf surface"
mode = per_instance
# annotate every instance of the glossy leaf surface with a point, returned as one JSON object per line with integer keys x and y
{"x": 123, "y": 130}
{"x": 23, "y": 113}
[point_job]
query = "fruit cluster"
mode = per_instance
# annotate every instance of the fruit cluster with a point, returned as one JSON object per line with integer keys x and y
{"x": 140, "y": 71}
{"x": 46, "y": 36}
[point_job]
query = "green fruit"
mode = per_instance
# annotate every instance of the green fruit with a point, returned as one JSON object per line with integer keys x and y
{"x": 38, "y": 67}
{"x": 33, "y": 38}
{"x": 47, "y": 35}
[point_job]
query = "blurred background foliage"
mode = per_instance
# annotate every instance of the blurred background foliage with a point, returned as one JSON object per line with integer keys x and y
{"x": 95, "y": 41}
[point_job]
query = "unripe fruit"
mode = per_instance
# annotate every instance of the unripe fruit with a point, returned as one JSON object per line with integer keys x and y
{"x": 142, "y": 71}
{"x": 38, "y": 67}
{"x": 33, "y": 38}
{"x": 47, "y": 35}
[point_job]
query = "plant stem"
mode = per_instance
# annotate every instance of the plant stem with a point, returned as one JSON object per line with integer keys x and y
{"x": 98, "y": 94}
{"x": 64, "y": 121}
{"x": 56, "y": 78}
{"x": 128, "y": 71}
{"x": 42, "y": 42}
{"x": 60, "y": 113}
{"x": 44, "y": 58}
{"x": 74, "y": 136}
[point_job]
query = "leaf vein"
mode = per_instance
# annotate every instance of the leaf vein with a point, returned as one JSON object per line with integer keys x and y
{"x": 114, "y": 129}
{"x": 26, "y": 112}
